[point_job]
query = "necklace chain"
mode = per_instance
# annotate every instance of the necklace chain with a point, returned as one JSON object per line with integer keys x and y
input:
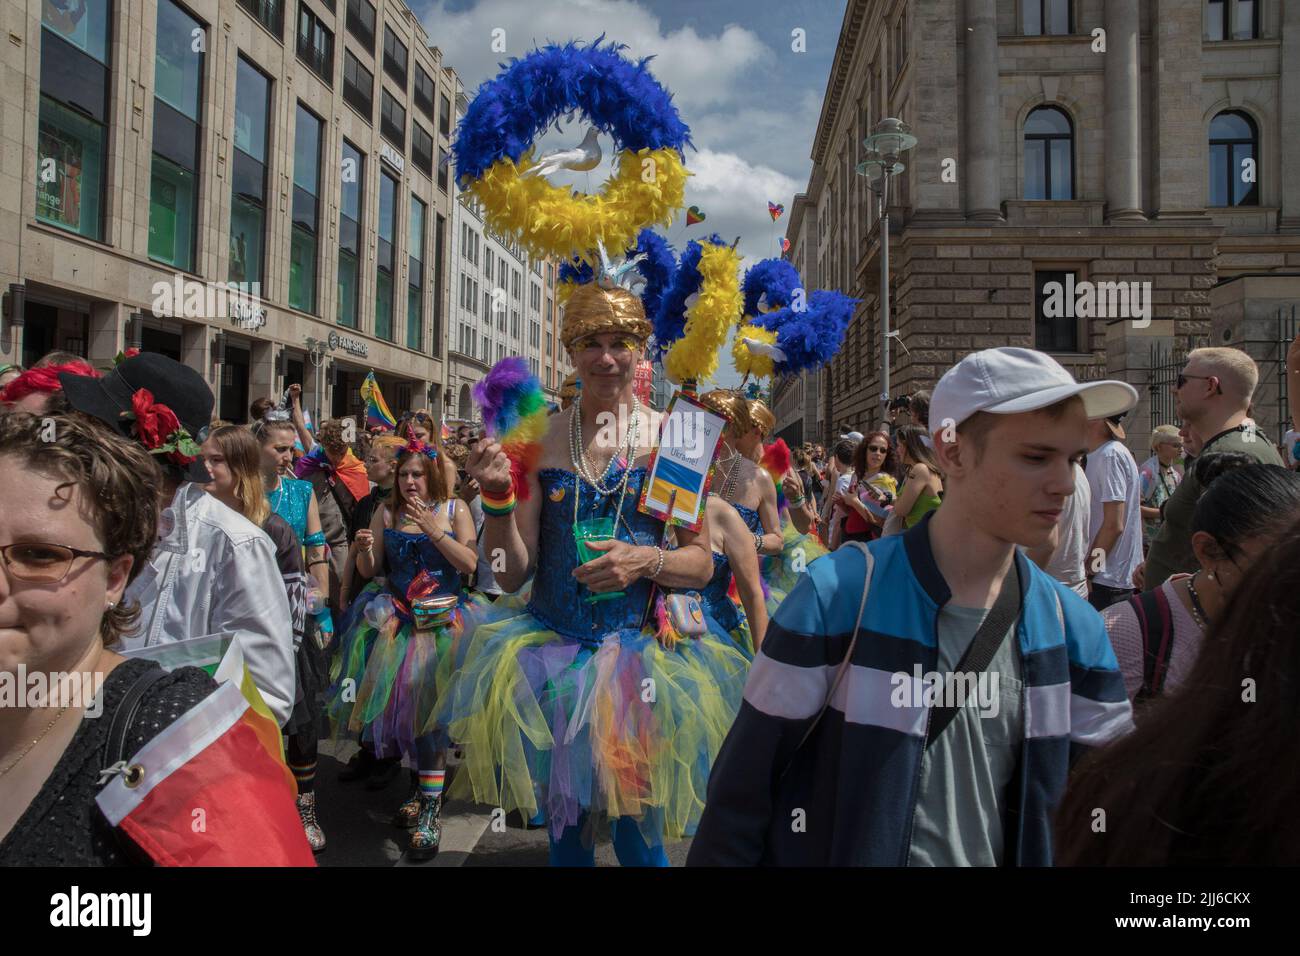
{"x": 41, "y": 736}
{"x": 731, "y": 474}
{"x": 1198, "y": 610}
{"x": 582, "y": 465}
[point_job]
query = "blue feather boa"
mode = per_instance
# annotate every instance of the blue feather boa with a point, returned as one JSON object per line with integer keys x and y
{"x": 619, "y": 97}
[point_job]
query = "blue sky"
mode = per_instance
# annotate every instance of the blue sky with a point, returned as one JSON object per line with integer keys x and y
{"x": 750, "y": 100}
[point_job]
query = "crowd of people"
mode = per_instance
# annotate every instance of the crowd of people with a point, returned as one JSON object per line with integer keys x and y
{"x": 761, "y": 684}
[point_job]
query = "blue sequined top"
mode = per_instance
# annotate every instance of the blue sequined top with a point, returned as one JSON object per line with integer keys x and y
{"x": 752, "y": 521}
{"x": 406, "y": 553}
{"x": 716, "y": 602}
{"x": 558, "y": 599}
{"x": 291, "y": 501}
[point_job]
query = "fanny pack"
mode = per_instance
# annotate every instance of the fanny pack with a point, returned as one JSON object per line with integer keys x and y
{"x": 686, "y": 613}
{"x": 429, "y": 613}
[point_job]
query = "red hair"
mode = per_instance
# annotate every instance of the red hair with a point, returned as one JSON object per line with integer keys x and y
{"x": 43, "y": 380}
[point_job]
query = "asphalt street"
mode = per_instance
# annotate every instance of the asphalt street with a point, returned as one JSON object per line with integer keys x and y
{"x": 359, "y": 830}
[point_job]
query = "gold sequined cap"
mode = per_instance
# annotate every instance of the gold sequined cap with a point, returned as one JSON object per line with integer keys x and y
{"x": 734, "y": 406}
{"x": 592, "y": 310}
{"x": 763, "y": 418}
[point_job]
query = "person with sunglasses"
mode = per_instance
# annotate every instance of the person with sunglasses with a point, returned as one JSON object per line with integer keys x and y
{"x": 78, "y": 527}
{"x": 874, "y": 464}
{"x": 1212, "y": 397}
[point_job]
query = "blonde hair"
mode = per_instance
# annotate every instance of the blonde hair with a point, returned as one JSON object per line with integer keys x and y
{"x": 1165, "y": 435}
{"x": 1236, "y": 371}
{"x": 243, "y": 456}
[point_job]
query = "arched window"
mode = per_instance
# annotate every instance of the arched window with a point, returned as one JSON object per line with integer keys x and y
{"x": 466, "y": 405}
{"x": 1049, "y": 154}
{"x": 1233, "y": 148}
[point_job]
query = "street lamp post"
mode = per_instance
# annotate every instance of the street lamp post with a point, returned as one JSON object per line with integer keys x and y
{"x": 890, "y": 139}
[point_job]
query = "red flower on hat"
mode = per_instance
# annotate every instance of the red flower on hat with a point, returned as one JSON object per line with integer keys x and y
{"x": 158, "y": 429}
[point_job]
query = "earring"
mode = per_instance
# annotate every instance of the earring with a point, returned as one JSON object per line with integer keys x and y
{"x": 1210, "y": 575}
{"x": 110, "y": 606}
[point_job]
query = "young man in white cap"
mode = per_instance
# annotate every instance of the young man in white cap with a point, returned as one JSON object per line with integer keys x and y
{"x": 925, "y": 729}
{"x": 1115, "y": 520}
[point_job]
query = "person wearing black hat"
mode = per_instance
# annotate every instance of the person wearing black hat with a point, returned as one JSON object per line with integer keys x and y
{"x": 212, "y": 570}
{"x": 1115, "y": 522}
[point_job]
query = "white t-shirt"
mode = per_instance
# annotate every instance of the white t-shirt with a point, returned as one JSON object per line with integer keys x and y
{"x": 1113, "y": 476}
{"x": 1067, "y": 562}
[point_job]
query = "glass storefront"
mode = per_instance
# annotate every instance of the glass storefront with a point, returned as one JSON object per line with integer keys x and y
{"x": 70, "y": 170}
{"x": 171, "y": 214}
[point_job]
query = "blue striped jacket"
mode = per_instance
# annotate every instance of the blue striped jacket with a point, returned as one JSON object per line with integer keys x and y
{"x": 848, "y": 796}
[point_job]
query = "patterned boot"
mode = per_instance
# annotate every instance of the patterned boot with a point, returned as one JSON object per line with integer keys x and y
{"x": 428, "y": 831}
{"x": 307, "y": 813}
{"x": 409, "y": 812}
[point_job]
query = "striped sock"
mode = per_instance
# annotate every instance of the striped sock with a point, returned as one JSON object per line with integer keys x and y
{"x": 305, "y": 774}
{"x": 431, "y": 781}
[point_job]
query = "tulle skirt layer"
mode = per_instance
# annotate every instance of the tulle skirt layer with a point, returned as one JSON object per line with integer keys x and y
{"x": 621, "y": 728}
{"x": 781, "y": 572}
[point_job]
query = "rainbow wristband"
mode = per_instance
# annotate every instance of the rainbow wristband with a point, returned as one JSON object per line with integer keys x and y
{"x": 497, "y": 506}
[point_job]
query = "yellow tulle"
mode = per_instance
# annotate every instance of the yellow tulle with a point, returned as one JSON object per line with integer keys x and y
{"x": 695, "y": 355}
{"x": 646, "y": 189}
{"x": 747, "y": 362}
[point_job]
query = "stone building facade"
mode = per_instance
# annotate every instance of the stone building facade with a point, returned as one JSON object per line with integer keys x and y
{"x": 1080, "y": 142}
{"x": 293, "y": 149}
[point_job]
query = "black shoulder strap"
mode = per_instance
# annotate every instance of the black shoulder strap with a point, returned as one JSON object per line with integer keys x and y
{"x": 1156, "y": 623}
{"x": 115, "y": 745}
{"x": 983, "y": 646}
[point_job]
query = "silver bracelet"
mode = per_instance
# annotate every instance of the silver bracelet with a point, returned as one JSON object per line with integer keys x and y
{"x": 758, "y": 543}
{"x": 660, "y": 566}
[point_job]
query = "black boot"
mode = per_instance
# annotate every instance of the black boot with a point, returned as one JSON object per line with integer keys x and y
{"x": 359, "y": 767}
{"x": 384, "y": 772}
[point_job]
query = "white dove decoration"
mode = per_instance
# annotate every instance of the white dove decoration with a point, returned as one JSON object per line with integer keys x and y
{"x": 763, "y": 348}
{"x": 582, "y": 157}
{"x": 763, "y": 307}
{"x": 612, "y": 275}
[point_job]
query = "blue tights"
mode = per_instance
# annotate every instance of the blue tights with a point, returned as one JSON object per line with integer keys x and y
{"x": 629, "y": 846}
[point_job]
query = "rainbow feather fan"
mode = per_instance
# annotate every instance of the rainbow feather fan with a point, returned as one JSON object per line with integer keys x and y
{"x": 514, "y": 414}
{"x": 776, "y": 462}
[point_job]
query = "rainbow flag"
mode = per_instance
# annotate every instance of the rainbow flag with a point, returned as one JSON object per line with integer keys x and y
{"x": 377, "y": 413}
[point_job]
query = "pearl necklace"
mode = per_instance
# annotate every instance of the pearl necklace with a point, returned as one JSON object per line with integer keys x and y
{"x": 1198, "y": 612}
{"x": 582, "y": 466}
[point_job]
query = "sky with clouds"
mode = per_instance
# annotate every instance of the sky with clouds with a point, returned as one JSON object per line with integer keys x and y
{"x": 751, "y": 101}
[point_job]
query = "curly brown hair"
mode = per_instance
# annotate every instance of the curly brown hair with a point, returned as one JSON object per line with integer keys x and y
{"x": 119, "y": 483}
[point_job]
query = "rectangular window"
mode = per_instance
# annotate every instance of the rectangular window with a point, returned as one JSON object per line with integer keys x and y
{"x": 536, "y": 297}
{"x": 353, "y": 169}
{"x": 421, "y": 149}
{"x": 178, "y": 85}
{"x": 1056, "y": 329}
{"x": 487, "y": 265}
{"x": 443, "y": 161}
{"x": 550, "y": 342}
{"x": 315, "y": 44}
{"x": 306, "y": 210}
{"x": 514, "y": 324}
{"x": 501, "y": 351}
{"x": 358, "y": 85}
{"x": 71, "y": 136}
{"x": 423, "y": 92}
{"x": 438, "y": 240}
{"x": 515, "y": 284}
{"x": 392, "y": 120}
{"x": 415, "y": 277}
{"x": 269, "y": 13}
{"x": 248, "y": 177}
{"x": 1046, "y": 17}
{"x": 361, "y": 23}
{"x": 488, "y": 305}
{"x": 444, "y": 116}
{"x": 394, "y": 56}
{"x": 487, "y": 350}
{"x": 384, "y": 258}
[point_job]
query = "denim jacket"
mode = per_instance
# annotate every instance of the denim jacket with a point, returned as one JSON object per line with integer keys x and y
{"x": 214, "y": 572}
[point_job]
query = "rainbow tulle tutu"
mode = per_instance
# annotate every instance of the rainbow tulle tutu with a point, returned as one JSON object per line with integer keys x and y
{"x": 619, "y": 728}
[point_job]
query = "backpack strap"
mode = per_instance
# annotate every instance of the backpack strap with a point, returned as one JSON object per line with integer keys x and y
{"x": 1155, "y": 619}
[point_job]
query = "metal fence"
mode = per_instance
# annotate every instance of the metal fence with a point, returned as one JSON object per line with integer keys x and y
{"x": 1269, "y": 354}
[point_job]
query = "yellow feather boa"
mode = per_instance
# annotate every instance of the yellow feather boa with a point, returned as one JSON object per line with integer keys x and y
{"x": 746, "y": 362}
{"x": 695, "y": 354}
{"x": 553, "y": 221}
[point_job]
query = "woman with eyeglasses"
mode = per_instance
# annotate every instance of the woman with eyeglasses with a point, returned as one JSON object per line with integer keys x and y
{"x": 78, "y": 526}
{"x": 874, "y": 464}
{"x": 234, "y": 460}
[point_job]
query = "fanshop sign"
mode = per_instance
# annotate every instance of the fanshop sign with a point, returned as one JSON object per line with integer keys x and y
{"x": 348, "y": 344}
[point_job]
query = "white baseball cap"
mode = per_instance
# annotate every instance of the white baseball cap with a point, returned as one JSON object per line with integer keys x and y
{"x": 854, "y": 436}
{"x": 1008, "y": 380}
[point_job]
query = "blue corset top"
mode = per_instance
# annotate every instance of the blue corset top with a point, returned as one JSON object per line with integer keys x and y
{"x": 750, "y": 515}
{"x": 408, "y": 553}
{"x": 716, "y": 602}
{"x": 558, "y": 600}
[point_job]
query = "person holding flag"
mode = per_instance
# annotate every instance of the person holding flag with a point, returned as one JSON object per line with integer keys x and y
{"x": 78, "y": 529}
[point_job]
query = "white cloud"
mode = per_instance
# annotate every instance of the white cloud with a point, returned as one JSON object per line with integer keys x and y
{"x": 698, "y": 70}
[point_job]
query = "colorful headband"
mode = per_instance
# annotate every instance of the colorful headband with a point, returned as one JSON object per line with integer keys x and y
{"x": 417, "y": 447}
